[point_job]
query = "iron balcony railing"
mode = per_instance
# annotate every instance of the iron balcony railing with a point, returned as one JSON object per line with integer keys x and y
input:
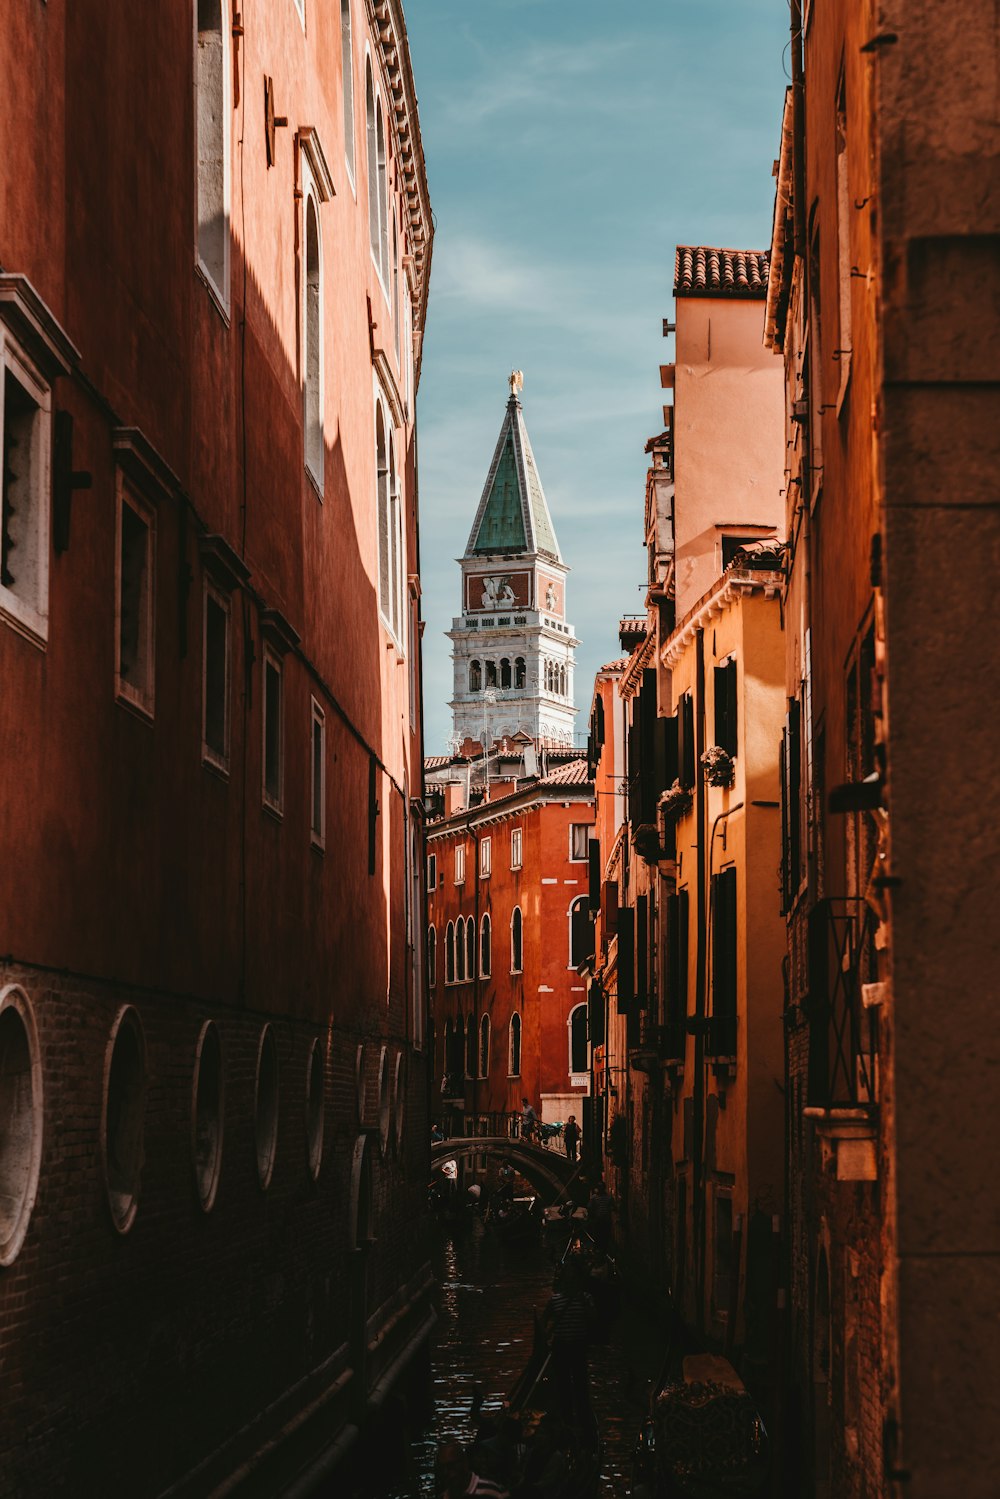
{"x": 843, "y": 1032}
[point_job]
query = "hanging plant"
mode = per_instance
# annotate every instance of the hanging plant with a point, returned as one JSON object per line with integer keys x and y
{"x": 675, "y": 801}
{"x": 717, "y": 764}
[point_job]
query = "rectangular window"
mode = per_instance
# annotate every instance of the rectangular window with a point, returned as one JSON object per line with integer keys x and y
{"x": 726, "y": 736}
{"x": 215, "y": 679}
{"x": 460, "y": 864}
{"x": 317, "y": 800}
{"x": 485, "y": 858}
{"x": 579, "y": 838}
{"x": 25, "y": 423}
{"x": 212, "y": 143}
{"x": 722, "y": 1035}
{"x": 515, "y": 848}
{"x": 134, "y": 635}
{"x": 274, "y": 737}
{"x": 432, "y": 871}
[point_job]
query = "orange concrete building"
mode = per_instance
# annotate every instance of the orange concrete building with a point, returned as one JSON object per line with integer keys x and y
{"x": 215, "y": 245}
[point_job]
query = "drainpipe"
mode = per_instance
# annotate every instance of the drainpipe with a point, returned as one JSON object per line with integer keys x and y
{"x": 698, "y": 1101}
{"x": 475, "y": 966}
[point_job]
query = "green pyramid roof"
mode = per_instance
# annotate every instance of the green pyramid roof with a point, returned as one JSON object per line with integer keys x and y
{"x": 513, "y": 516}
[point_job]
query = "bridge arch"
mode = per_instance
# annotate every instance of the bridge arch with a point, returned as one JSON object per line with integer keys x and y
{"x": 545, "y": 1170}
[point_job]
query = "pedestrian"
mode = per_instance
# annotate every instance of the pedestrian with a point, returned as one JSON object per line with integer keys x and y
{"x": 599, "y": 1211}
{"x": 571, "y": 1135}
{"x": 459, "y": 1479}
{"x": 529, "y": 1120}
{"x": 437, "y": 1133}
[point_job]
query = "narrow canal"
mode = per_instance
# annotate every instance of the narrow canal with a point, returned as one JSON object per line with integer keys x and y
{"x": 488, "y": 1296}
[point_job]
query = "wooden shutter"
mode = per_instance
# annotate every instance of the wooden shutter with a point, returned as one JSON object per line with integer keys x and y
{"x": 685, "y": 736}
{"x": 594, "y": 874}
{"x": 626, "y": 959}
{"x": 724, "y": 936}
{"x": 725, "y": 708}
{"x": 641, "y": 951}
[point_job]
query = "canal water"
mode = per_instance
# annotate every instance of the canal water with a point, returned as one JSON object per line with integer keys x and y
{"x": 488, "y": 1296}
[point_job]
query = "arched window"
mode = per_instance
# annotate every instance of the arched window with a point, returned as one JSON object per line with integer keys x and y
{"x": 449, "y": 953}
{"x": 347, "y": 75}
{"x": 383, "y": 194}
{"x": 519, "y": 672}
{"x": 373, "y": 233}
{"x": 395, "y": 287}
{"x": 562, "y": 681}
{"x": 384, "y": 543}
{"x": 475, "y": 677}
{"x": 485, "y": 945}
{"x": 504, "y": 672}
{"x": 431, "y": 956}
{"x": 470, "y": 949}
{"x": 395, "y": 548}
{"x": 579, "y": 1061}
{"x": 460, "y": 949}
{"x": 491, "y": 674}
{"x": 516, "y": 934}
{"x": 312, "y": 360}
{"x": 470, "y": 1048}
{"x": 484, "y": 1046}
{"x": 581, "y": 942}
{"x": 514, "y": 1047}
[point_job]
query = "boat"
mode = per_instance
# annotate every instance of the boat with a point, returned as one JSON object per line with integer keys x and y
{"x": 514, "y": 1219}
{"x": 704, "y": 1438}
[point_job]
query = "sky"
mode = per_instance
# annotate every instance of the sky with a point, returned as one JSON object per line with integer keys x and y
{"x": 570, "y": 146}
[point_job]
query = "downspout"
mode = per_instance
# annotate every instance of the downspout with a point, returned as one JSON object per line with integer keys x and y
{"x": 476, "y": 954}
{"x": 698, "y": 1100}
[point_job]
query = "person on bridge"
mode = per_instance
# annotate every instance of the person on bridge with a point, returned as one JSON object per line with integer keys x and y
{"x": 529, "y": 1121}
{"x": 571, "y": 1136}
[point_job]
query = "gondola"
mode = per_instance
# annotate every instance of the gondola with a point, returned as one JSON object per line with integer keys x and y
{"x": 515, "y": 1220}
{"x": 704, "y": 1438}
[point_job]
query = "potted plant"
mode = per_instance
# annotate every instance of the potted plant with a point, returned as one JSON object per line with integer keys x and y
{"x": 717, "y": 765}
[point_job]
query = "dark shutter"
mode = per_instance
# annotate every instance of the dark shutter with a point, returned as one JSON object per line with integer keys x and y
{"x": 794, "y": 796}
{"x": 671, "y": 768}
{"x": 595, "y": 1014}
{"x": 722, "y": 1033}
{"x": 641, "y": 951}
{"x": 677, "y": 960}
{"x": 626, "y": 959}
{"x": 726, "y": 736}
{"x": 685, "y": 737}
{"x": 594, "y": 873}
{"x": 647, "y": 754}
{"x": 609, "y": 909}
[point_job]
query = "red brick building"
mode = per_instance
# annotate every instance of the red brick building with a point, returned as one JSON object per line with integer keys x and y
{"x": 215, "y": 242}
{"x": 508, "y": 923}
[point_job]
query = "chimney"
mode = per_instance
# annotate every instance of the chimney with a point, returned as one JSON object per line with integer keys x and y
{"x": 454, "y": 797}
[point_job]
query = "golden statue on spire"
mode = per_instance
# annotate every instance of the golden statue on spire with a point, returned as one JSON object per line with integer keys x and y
{"x": 516, "y": 381}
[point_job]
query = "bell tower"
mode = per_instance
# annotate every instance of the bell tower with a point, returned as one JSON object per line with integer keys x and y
{"x": 513, "y": 648}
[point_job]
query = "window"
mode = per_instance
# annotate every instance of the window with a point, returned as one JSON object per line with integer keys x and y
{"x": 312, "y": 346}
{"x": 516, "y": 934}
{"x": 134, "y": 665}
{"x": 124, "y": 1117}
{"x": 274, "y": 737}
{"x": 395, "y": 547}
{"x": 514, "y": 1047}
{"x": 385, "y": 560}
{"x": 460, "y": 864}
{"x": 726, "y": 736}
{"x": 208, "y": 1114}
{"x": 432, "y": 871}
{"x": 579, "y": 1061}
{"x": 431, "y": 957}
{"x": 25, "y": 430}
{"x": 212, "y": 132}
{"x": 460, "y": 950}
{"x": 470, "y": 1048}
{"x": 519, "y": 671}
{"x": 485, "y": 858}
{"x": 373, "y": 209}
{"x": 484, "y": 1046}
{"x": 317, "y": 779}
{"x": 215, "y": 679}
{"x": 383, "y": 194}
{"x": 504, "y": 672}
{"x": 733, "y": 544}
{"x": 491, "y": 674}
{"x": 475, "y": 677}
{"x": 581, "y": 932}
{"x": 685, "y": 740}
{"x": 470, "y": 949}
{"x": 579, "y": 839}
{"x": 347, "y": 74}
{"x": 724, "y": 964}
{"x": 485, "y": 947}
{"x": 449, "y": 953}
{"x": 515, "y": 848}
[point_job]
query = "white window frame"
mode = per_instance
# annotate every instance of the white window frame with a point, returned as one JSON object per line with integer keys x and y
{"x": 300, "y": 6}
{"x": 220, "y": 294}
{"x": 142, "y": 700}
{"x": 460, "y": 974}
{"x": 210, "y": 755}
{"x": 347, "y": 86}
{"x": 314, "y": 465}
{"x": 449, "y": 951}
{"x": 519, "y": 968}
{"x": 459, "y": 864}
{"x": 317, "y": 814}
{"x": 516, "y": 848}
{"x": 485, "y": 858}
{"x": 486, "y": 925}
{"x": 586, "y": 827}
{"x": 432, "y": 870}
{"x": 275, "y": 804}
{"x": 30, "y": 618}
{"x": 577, "y": 1079}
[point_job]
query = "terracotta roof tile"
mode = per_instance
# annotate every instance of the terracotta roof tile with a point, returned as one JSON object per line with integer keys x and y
{"x": 619, "y": 664}
{"x": 573, "y": 773}
{"x": 703, "y": 271}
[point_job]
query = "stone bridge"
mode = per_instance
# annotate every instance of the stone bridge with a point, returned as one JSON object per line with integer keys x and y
{"x": 546, "y": 1170}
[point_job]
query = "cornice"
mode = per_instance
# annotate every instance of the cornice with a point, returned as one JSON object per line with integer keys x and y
{"x": 726, "y": 591}
{"x": 631, "y": 678}
{"x": 491, "y": 813}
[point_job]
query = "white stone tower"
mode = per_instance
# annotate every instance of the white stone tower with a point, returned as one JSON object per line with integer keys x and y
{"x": 513, "y": 648}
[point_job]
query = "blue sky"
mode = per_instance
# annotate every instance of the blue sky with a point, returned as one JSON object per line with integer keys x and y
{"x": 570, "y": 146}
